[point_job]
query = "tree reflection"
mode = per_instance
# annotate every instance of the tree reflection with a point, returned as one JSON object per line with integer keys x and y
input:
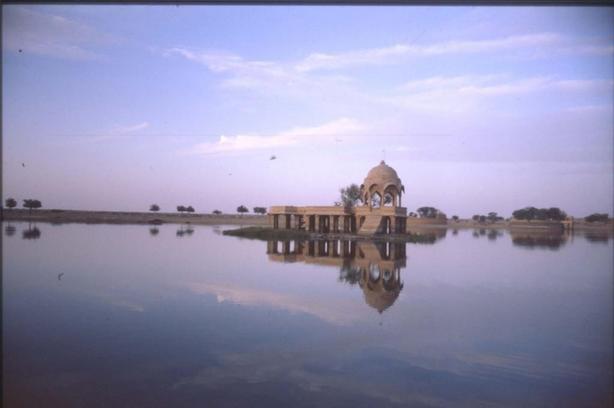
{"x": 426, "y": 235}
{"x": 552, "y": 240}
{"x": 185, "y": 231}
{"x": 31, "y": 233}
{"x": 490, "y": 234}
{"x": 10, "y": 230}
{"x": 154, "y": 231}
{"x": 597, "y": 236}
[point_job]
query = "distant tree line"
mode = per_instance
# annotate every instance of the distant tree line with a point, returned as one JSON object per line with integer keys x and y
{"x": 491, "y": 217}
{"x": 10, "y": 203}
{"x": 259, "y": 210}
{"x": 597, "y": 217}
{"x": 182, "y": 208}
{"x": 541, "y": 214}
{"x": 429, "y": 212}
{"x": 28, "y": 203}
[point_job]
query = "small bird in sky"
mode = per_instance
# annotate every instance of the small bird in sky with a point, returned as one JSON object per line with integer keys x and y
{"x": 60, "y": 276}
{"x": 273, "y": 157}
{"x": 20, "y": 50}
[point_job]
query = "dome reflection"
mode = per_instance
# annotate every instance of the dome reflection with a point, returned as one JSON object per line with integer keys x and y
{"x": 374, "y": 267}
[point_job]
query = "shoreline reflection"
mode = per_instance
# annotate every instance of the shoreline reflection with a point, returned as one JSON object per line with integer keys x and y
{"x": 552, "y": 240}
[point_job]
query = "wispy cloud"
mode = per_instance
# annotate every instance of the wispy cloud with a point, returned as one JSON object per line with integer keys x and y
{"x": 292, "y": 74}
{"x": 51, "y": 35}
{"x": 317, "y": 75}
{"x": 582, "y": 109}
{"x": 553, "y": 42}
{"x": 393, "y": 53}
{"x": 340, "y": 313}
{"x": 272, "y": 77}
{"x": 119, "y": 132}
{"x": 325, "y": 133}
{"x": 460, "y": 93}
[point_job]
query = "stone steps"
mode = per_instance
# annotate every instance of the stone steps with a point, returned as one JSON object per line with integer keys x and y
{"x": 372, "y": 225}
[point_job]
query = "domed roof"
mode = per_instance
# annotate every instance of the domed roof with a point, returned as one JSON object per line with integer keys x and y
{"x": 383, "y": 175}
{"x": 378, "y": 298}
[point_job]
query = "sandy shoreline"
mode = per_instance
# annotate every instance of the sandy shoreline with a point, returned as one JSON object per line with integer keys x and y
{"x": 125, "y": 217}
{"x": 117, "y": 217}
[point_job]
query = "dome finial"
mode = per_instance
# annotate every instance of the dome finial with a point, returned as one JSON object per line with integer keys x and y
{"x": 382, "y": 162}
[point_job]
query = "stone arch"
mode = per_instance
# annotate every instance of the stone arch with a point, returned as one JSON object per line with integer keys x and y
{"x": 374, "y": 274}
{"x": 394, "y": 192}
{"x": 376, "y": 200}
{"x": 389, "y": 200}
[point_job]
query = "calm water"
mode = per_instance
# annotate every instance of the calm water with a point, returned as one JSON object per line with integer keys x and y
{"x": 104, "y": 315}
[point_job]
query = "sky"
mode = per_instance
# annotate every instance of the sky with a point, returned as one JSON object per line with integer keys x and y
{"x": 479, "y": 109}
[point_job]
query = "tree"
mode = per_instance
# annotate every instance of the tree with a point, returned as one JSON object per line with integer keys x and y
{"x": 10, "y": 203}
{"x": 556, "y": 214}
{"x": 532, "y": 213}
{"x": 482, "y": 218}
{"x": 455, "y": 218}
{"x": 597, "y": 217}
{"x": 242, "y": 209}
{"x": 154, "y": 207}
{"x": 31, "y": 204}
{"x": 259, "y": 210}
{"x": 181, "y": 208}
{"x": 527, "y": 213}
{"x": 350, "y": 195}
{"x": 190, "y": 209}
{"x": 428, "y": 212}
{"x": 217, "y": 212}
{"x": 476, "y": 217}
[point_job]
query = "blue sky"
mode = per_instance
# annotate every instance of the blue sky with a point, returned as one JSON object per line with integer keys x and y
{"x": 477, "y": 108}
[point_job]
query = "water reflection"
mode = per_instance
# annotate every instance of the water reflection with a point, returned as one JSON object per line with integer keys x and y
{"x": 490, "y": 234}
{"x": 31, "y": 233}
{"x": 427, "y": 235}
{"x": 539, "y": 239}
{"x": 154, "y": 231}
{"x": 215, "y": 319}
{"x": 10, "y": 230}
{"x": 185, "y": 230}
{"x": 374, "y": 266}
{"x": 598, "y": 236}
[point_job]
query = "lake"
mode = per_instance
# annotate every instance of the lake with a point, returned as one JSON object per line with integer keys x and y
{"x": 177, "y": 315}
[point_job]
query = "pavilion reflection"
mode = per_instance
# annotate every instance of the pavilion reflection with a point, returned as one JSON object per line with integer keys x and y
{"x": 374, "y": 266}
